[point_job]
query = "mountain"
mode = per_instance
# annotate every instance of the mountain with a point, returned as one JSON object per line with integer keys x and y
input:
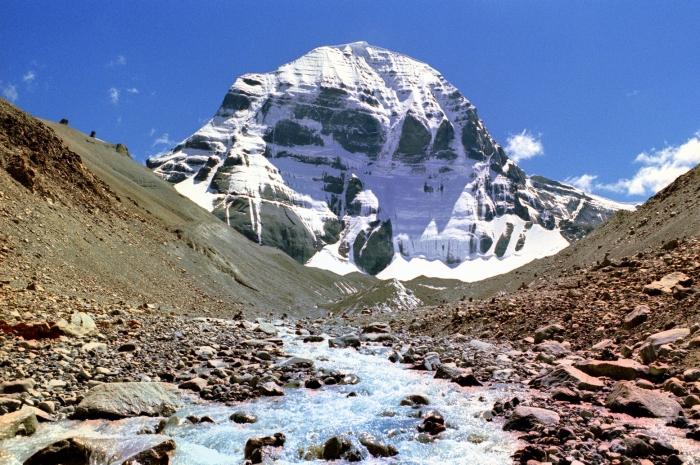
{"x": 356, "y": 157}
{"x": 81, "y": 219}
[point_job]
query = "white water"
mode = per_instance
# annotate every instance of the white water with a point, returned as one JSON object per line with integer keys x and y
{"x": 309, "y": 417}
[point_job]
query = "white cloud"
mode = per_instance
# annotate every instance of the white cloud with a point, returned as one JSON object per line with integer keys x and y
{"x": 132, "y": 90}
{"x": 9, "y": 91}
{"x": 120, "y": 60}
{"x": 523, "y": 146}
{"x": 152, "y": 131}
{"x": 29, "y": 76}
{"x": 659, "y": 168}
{"x": 113, "y": 95}
{"x": 164, "y": 139}
{"x": 583, "y": 182}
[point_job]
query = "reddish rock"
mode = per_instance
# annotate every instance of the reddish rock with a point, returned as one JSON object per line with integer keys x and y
{"x": 621, "y": 369}
{"x": 628, "y": 398}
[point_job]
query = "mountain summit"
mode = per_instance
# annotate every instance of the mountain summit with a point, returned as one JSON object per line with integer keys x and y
{"x": 356, "y": 157}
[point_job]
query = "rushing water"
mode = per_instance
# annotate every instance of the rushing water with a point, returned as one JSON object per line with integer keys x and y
{"x": 309, "y": 417}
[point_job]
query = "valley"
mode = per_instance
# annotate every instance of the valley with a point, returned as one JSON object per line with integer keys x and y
{"x": 187, "y": 312}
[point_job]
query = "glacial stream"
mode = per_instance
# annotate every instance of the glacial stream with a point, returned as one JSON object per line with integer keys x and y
{"x": 309, "y": 417}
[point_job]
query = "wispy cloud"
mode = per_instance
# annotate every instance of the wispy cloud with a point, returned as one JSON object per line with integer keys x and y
{"x": 9, "y": 91}
{"x": 132, "y": 90}
{"x": 120, "y": 60}
{"x": 113, "y": 95}
{"x": 164, "y": 139}
{"x": 659, "y": 168}
{"x": 29, "y": 76}
{"x": 523, "y": 146}
{"x": 632, "y": 93}
{"x": 583, "y": 182}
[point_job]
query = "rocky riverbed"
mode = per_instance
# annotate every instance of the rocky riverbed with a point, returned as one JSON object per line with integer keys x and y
{"x": 329, "y": 391}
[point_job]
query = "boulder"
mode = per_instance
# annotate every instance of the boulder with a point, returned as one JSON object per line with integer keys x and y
{"x": 668, "y": 337}
{"x": 296, "y": 363}
{"x": 194, "y": 384}
{"x": 376, "y": 448}
{"x": 636, "y": 317}
{"x": 17, "y": 386}
{"x": 341, "y": 447}
{"x": 691, "y": 374}
{"x": 130, "y": 399}
{"x": 456, "y": 375}
{"x": 566, "y": 395}
{"x": 270, "y": 389}
{"x": 628, "y": 398}
{"x": 267, "y": 328}
{"x": 94, "y": 347}
{"x": 144, "y": 449}
{"x": 620, "y": 369}
{"x": 527, "y": 418}
{"x": 433, "y": 423}
{"x": 431, "y": 362}
{"x": 254, "y": 449}
{"x": 569, "y": 375}
{"x": 349, "y": 340}
{"x": 547, "y": 332}
{"x": 414, "y": 400}
{"x": 376, "y": 327}
{"x": 554, "y": 348}
{"x": 9, "y": 405}
{"x": 21, "y": 422}
{"x": 81, "y": 324}
{"x": 666, "y": 284}
{"x": 243, "y": 417}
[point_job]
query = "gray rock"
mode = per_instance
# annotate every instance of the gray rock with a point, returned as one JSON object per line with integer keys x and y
{"x": 341, "y": 447}
{"x": 295, "y": 363}
{"x": 21, "y": 422}
{"x": 628, "y": 398}
{"x": 554, "y": 348}
{"x": 243, "y": 417}
{"x": 527, "y": 418}
{"x": 547, "y": 332}
{"x": 194, "y": 384}
{"x": 568, "y": 375}
{"x": 636, "y": 317}
{"x": 270, "y": 389}
{"x": 255, "y": 447}
{"x": 9, "y": 405}
{"x": 668, "y": 337}
{"x": 267, "y": 328}
{"x": 666, "y": 284}
{"x": 376, "y": 448}
{"x": 130, "y": 399}
{"x": 144, "y": 449}
{"x": 415, "y": 400}
{"x": 349, "y": 340}
{"x": 620, "y": 369}
{"x": 81, "y": 324}
{"x": 376, "y": 327}
{"x": 17, "y": 386}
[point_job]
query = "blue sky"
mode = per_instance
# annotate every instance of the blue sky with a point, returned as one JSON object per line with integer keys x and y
{"x": 607, "y": 90}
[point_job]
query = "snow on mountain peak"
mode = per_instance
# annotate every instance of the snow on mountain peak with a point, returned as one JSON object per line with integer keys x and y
{"x": 356, "y": 157}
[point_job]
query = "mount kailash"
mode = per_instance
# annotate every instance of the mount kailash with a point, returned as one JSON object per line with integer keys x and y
{"x": 354, "y": 157}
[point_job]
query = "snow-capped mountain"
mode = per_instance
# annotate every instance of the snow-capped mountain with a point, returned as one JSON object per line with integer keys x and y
{"x": 355, "y": 157}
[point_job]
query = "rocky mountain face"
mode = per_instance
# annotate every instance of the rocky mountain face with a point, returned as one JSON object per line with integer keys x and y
{"x": 355, "y": 157}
